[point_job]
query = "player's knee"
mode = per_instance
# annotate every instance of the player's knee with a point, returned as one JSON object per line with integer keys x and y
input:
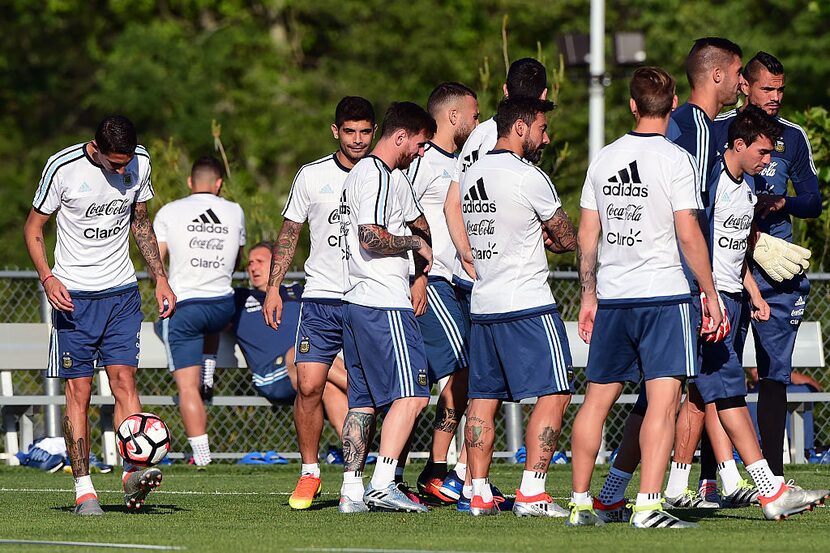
{"x": 734, "y": 402}
{"x": 122, "y": 382}
{"x": 310, "y": 389}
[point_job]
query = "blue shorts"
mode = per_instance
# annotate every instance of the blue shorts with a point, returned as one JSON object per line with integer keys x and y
{"x": 183, "y": 334}
{"x": 273, "y": 382}
{"x": 444, "y": 331}
{"x": 104, "y": 327}
{"x": 650, "y": 341}
{"x": 464, "y": 295}
{"x": 320, "y": 331}
{"x": 518, "y": 358}
{"x": 722, "y": 373}
{"x": 775, "y": 338}
{"x": 384, "y": 354}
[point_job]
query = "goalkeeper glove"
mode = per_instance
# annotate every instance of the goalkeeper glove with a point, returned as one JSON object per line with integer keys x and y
{"x": 780, "y": 259}
{"x": 723, "y": 329}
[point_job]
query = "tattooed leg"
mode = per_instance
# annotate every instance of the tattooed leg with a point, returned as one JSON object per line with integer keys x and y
{"x": 543, "y": 430}
{"x": 76, "y": 424}
{"x": 358, "y": 430}
{"x": 479, "y": 436}
{"x": 452, "y": 403}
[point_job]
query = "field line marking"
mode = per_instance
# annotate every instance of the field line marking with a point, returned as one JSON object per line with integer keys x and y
{"x": 364, "y": 550}
{"x": 93, "y": 544}
{"x": 168, "y": 492}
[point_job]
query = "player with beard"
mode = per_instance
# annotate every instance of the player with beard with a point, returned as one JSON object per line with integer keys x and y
{"x": 518, "y": 345}
{"x": 315, "y": 197}
{"x": 382, "y": 343}
{"x": 440, "y": 317}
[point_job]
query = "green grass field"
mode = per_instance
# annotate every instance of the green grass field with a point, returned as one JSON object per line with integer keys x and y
{"x": 242, "y": 508}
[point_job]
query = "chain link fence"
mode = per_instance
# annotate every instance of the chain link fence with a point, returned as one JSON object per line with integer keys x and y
{"x": 237, "y": 430}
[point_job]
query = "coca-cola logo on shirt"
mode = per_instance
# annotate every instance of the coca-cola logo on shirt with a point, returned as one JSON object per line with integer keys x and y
{"x": 114, "y": 207}
{"x": 738, "y": 223}
{"x": 630, "y": 212}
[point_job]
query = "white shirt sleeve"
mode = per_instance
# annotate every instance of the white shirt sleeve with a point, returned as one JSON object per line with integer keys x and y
{"x": 683, "y": 189}
{"x": 375, "y": 200}
{"x": 588, "y": 200}
{"x": 407, "y": 197}
{"x": 145, "y": 191}
{"x": 160, "y": 224}
{"x": 48, "y": 196}
{"x": 540, "y": 194}
{"x": 243, "y": 235}
{"x": 296, "y": 208}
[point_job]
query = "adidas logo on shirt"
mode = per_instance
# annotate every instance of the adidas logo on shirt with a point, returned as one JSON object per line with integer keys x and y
{"x": 252, "y": 304}
{"x": 800, "y": 301}
{"x": 207, "y": 222}
{"x": 476, "y": 200}
{"x": 84, "y": 187}
{"x": 326, "y": 189}
{"x": 622, "y": 184}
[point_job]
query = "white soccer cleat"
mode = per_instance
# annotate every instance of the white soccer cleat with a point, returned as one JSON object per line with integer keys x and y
{"x": 653, "y": 516}
{"x": 690, "y": 500}
{"x": 138, "y": 484}
{"x": 540, "y": 505}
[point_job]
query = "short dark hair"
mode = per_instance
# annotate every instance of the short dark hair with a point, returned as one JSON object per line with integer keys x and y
{"x": 263, "y": 244}
{"x": 526, "y": 77}
{"x": 447, "y": 92}
{"x": 708, "y": 53}
{"x": 353, "y": 108}
{"x": 408, "y": 116}
{"x": 206, "y": 167}
{"x": 759, "y": 61}
{"x": 116, "y": 135}
{"x": 752, "y": 122}
{"x": 652, "y": 89}
{"x": 511, "y": 109}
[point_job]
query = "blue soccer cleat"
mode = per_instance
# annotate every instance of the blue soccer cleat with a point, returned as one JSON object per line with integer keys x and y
{"x": 463, "y": 505}
{"x": 452, "y": 486}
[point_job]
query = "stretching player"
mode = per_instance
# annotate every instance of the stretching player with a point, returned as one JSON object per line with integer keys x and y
{"x": 721, "y": 382}
{"x": 525, "y": 77}
{"x": 204, "y": 235}
{"x": 641, "y": 200}
{"x": 792, "y": 160}
{"x": 455, "y": 110}
{"x": 518, "y": 345}
{"x": 382, "y": 344}
{"x": 98, "y": 189}
{"x": 315, "y": 197}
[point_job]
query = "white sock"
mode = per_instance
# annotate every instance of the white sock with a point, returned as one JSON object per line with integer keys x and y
{"x": 461, "y": 470}
{"x": 312, "y": 469}
{"x": 581, "y": 498}
{"x": 481, "y": 487}
{"x": 648, "y": 499}
{"x": 767, "y": 483}
{"x": 613, "y": 489}
{"x": 353, "y": 485}
{"x": 384, "y": 472}
{"x": 467, "y": 491}
{"x": 729, "y": 476}
{"x": 208, "y": 368}
{"x": 201, "y": 449}
{"x": 533, "y": 483}
{"x": 84, "y": 489}
{"x": 678, "y": 479}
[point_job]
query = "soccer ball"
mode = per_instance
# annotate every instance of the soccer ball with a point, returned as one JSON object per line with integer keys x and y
{"x": 143, "y": 439}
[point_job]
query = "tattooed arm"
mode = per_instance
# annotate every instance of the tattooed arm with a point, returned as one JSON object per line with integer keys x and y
{"x": 281, "y": 256}
{"x": 589, "y": 234}
{"x": 145, "y": 237}
{"x": 358, "y": 430}
{"x": 418, "y": 290}
{"x": 561, "y": 232}
{"x": 56, "y": 292}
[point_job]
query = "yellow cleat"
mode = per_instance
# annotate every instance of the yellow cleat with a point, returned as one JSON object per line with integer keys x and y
{"x": 308, "y": 487}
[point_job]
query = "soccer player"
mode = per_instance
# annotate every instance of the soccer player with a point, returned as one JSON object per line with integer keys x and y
{"x": 315, "y": 197}
{"x": 99, "y": 190}
{"x": 640, "y": 200}
{"x": 525, "y": 77}
{"x": 204, "y": 235}
{"x": 721, "y": 381}
{"x": 270, "y": 356}
{"x": 518, "y": 345}
{"x": 382, "y": 343}
{"x": 791, "y": 160}
{"x": 455, "y": 110}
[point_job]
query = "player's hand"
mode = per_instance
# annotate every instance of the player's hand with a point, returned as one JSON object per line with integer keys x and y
{"x": 780, "y": 259}
{"x": 587, "y": 313}
{"x": 768, "y": 203}
{"x": 272, "y": 308}
{"x": 165, "y": 297}
{"x": 760, "y": 309}
{"x": 467, "y": 264}
{"x": 425, "y": 251}
{"x": 58, "y": 295}
{"x": 419, "y": 295}
{"x": 714, "y": 324}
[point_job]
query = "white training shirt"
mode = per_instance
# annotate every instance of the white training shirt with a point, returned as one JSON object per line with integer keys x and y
{"x": 93, "y": 216}
{"x": 734, "y": 208}
{"x": 430, "y": 177}
{"x": 503, "y": 201}
{"x": 203, "y": 233}
{"x": 481, "y": 140}
{"x": 636, "y": 184}
{"x": 315, "y": 197}
{"x": 372, "y": 195}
